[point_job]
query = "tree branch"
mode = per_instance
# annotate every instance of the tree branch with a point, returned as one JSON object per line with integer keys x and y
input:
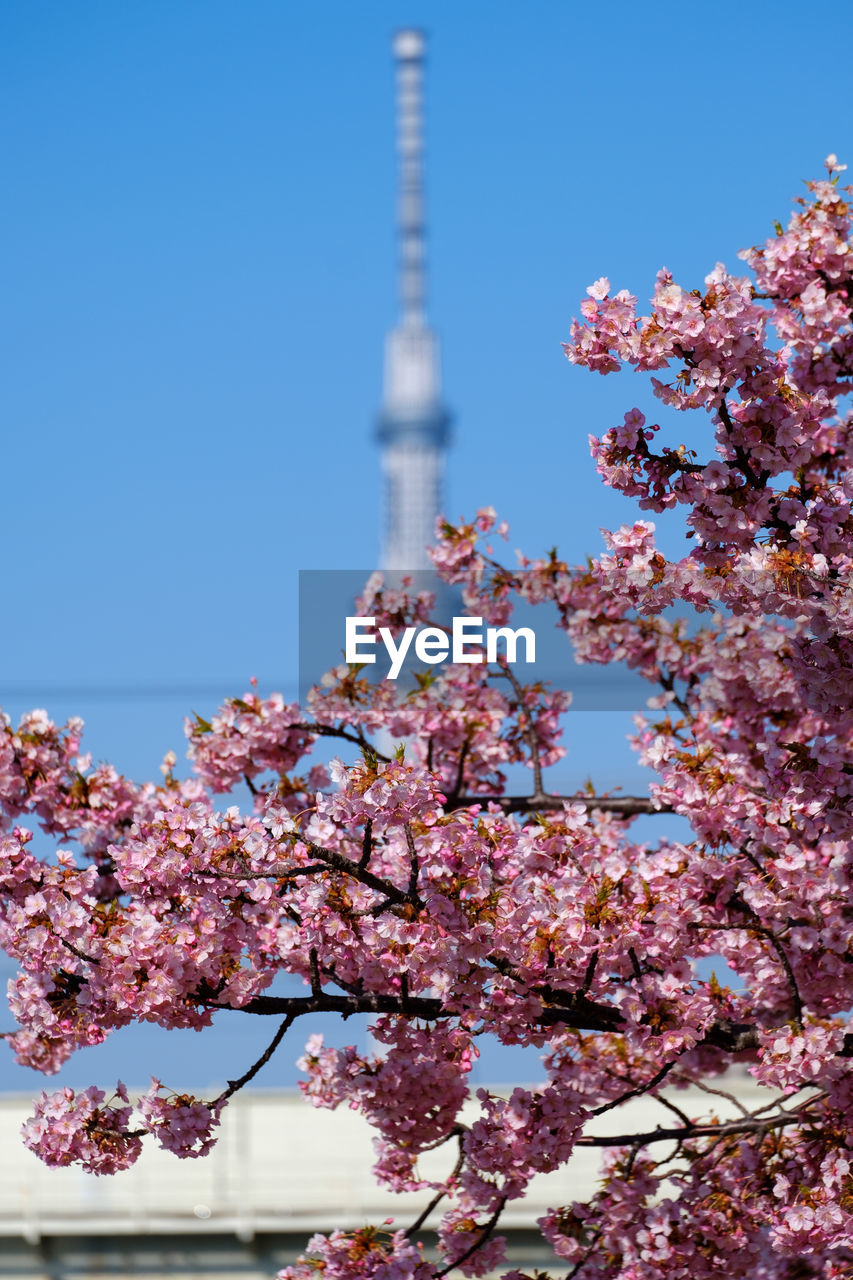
{"x": 635, "y": 1093}
{"x": 478, "y": 1243}
{"x": 414, "y": 864}
{"x": 575, "y": 1012}
{"x": 234, "y": 1085}
{"x": 366, "y": 845}
{"x": 442, "y": 1191}
{"x": 332, "y": 731}
{"x": 687, "y": 1132}
{"x": 527, "y": 726}
{"x": 626, "y": 806}
{"x": 460, "y": 772}
{"x": 758, "y": 481}
{"x": 358, "y": 872}
{"x": 763, "y": 932}
{"x": 586, "y": 1016}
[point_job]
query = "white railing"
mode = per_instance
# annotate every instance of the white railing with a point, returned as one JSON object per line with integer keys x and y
{"x": 279, "y": 1166}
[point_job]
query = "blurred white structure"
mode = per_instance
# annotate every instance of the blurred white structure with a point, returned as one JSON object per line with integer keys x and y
{"x": 413, "y": 428}
{"x": 280, "y": 1171}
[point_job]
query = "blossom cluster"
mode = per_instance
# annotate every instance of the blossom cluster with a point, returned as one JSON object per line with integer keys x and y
{"x": 414, "y": 886}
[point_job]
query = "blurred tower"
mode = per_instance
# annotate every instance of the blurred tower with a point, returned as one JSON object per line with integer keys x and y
{"x": 414, "y": 425}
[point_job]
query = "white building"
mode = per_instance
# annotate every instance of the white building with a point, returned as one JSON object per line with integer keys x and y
{"x": 280, "y": 1171}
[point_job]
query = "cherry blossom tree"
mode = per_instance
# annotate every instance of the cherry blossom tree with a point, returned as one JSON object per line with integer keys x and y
{"x": 417, "y": 887}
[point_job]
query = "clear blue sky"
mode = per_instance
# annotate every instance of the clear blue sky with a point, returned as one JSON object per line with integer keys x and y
{"x": 197, "y": 241}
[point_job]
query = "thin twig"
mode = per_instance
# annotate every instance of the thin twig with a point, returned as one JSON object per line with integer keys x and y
{"x": 360, "y": 873}
{"x": 478, "y": 1243}
{"x": 75, "y": 951}
{"x": 332, "y": 731}
{"x": 635, "y": 1093}
{"x": 460, "y": 774}
{"x": 234, "y": 1085}
{"x": 599, "y": 1232}
{"x": 442, "y": 1191}
{"x": 755, "y": 926}
{"x": 720, "y": 1093}
{"x": 588, "y": 976}
{"x": 676, "y": 1111}
{"x": 796, "y": 998}
{"x": 527, "y": 726}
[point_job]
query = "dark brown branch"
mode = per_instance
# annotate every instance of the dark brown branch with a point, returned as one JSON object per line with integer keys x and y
{"x": 758, "y": 481}
{"x": 527, "y": 726}
{"x": 460, "y": 773}
{"x": 366, "y": 845}
{"x": 626, "y": 806}
{"x": 234, "y": 1085}
{"x": 732, "y": 1037}
{"x": 636, "y": 1092}
{"x": 353, "y": 988}
{"x": 413, "y": 863}
{"x": 755, "y": 926}
{"x": 478, "y": 1243}
{"x": 442, "y": 1192}
{"x": 599, "y": 1231}
{"x": 316, "y": 983}
{"x": 427, "y": 1007}
{"x": 331, "y": 731}
{"x": 360, "y": 873}
{"x": 574, "y": 1003}
{"x": 672, "y": 461}
{"x": 688, "y": 1132}
{"x": 676, "y": 1111}
{"x": 576, "y": 1012}
{"x": 585, "y": 1016}
{"x": 264, "y": 873}
{"x": 720, "y": 1093}
{"x": 75, "y": 951}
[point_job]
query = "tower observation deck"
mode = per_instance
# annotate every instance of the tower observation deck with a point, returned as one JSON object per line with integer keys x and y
{"x": 414, "y": 424}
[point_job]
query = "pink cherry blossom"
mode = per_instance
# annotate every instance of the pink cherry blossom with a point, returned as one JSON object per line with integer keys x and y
{"x": 424, "y": 888}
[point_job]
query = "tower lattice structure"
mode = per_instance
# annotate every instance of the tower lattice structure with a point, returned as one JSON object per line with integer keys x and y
{"x": 414, "y": 424}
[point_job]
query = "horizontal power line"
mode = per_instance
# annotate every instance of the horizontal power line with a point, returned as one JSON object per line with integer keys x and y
{"x": 138, "y": 691}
